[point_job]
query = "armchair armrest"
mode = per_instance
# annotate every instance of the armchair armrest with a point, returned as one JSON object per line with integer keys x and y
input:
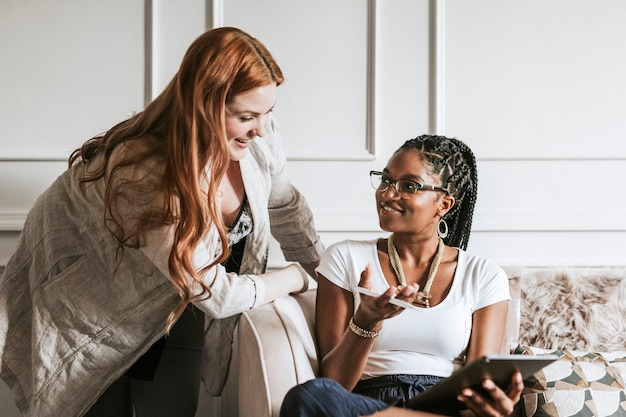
{"x": 277, "y": 351}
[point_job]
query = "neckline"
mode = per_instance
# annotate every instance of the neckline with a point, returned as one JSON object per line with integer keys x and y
{"x": 382, "y": 284}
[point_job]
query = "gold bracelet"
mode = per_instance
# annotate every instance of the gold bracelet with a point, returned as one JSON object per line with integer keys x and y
{"x": 368, "y": 334}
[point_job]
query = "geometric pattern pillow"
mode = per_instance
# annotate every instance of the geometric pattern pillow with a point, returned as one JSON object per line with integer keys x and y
{"x": 578, "y": 384}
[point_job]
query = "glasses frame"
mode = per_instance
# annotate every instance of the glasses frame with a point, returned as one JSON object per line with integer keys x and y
{"x": 418, "y": 186}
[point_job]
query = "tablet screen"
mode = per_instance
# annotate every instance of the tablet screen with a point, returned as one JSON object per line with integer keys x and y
{"x": 500, "y": 368}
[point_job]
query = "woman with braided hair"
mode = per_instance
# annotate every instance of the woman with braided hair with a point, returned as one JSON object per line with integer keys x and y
{"x": 374, "y": 353}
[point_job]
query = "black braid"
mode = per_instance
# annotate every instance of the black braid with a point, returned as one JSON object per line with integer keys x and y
{"x": 454, "y": 163}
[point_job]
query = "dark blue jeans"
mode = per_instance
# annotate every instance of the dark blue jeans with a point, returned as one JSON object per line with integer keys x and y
{"x": 323, "y": 397}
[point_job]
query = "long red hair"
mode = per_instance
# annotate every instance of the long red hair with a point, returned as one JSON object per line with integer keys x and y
{"x": 184, "y": 129}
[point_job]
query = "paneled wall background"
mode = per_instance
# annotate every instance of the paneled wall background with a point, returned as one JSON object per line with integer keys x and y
{"x": 535, "y": 87}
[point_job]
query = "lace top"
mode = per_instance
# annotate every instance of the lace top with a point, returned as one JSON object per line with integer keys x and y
{"x": 242, "y": 227}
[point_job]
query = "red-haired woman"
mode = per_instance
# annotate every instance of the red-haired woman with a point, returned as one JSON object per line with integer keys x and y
{"x": 133, "y": 266}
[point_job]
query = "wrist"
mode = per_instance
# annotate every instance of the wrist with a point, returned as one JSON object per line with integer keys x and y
{"x": 361, "y": 332}
{"x": 364, "y": 326}
{"x": 362, "y": 320}
{"x": 302, "y": 279}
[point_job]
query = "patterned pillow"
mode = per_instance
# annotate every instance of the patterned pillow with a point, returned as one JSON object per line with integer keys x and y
{"x": 578, "y": 384}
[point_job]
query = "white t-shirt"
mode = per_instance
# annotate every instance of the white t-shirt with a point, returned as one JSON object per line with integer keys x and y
{"x": 428, "y": 341}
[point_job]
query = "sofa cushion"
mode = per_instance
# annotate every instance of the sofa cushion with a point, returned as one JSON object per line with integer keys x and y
{"x": 578, "y": 384}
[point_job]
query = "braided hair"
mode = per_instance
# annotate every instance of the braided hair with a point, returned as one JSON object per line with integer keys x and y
{"x": 454, "y": 163}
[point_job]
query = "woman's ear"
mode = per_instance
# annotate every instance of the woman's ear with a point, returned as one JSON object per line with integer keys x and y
{"x": 447, "y": 202}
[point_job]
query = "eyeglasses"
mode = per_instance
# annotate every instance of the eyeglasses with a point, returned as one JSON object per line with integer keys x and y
{"x": 404, "y": 188}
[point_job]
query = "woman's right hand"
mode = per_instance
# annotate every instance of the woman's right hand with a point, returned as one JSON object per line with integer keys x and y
{"x": 373, "y": 310}
{"x": 292, "y": 279}
{"x": 497, "y": 403}
{"x": 302, "y": 273}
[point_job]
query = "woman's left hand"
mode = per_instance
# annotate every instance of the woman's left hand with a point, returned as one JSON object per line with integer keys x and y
{"x": 376, "y": 309}
{"x": 496, "y": 402}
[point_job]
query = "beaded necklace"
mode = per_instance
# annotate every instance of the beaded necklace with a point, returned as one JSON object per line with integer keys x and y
{"x": 422, "y": 297}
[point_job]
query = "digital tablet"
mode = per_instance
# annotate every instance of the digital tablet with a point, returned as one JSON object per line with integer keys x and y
{"x": 499, "y": 368}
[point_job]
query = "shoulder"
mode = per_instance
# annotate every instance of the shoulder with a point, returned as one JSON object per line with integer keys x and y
{"x": 343, "y": 262}
{"x": 349, "y": 253}
{"x": 486, "y": 282}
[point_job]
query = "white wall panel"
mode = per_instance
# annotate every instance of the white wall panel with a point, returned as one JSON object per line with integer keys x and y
{"x": 537, "y": 79}
{"x": 535, "y": 89}
{"x": 21, "y": 182}
{"x": 545, "y": 195}
{"x": 322, "y": 48}
{"x": 174, "y": 26}
{"x": 403, "y": 73}
{"x": 70, "y": 70}
{"x": 8, "y": 243}
{"x": 550, "y": 248}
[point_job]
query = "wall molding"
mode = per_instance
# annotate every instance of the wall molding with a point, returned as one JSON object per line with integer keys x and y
{"x": 214, "y": 14}
{"x": 56, "y": 155}
{"x": 148, "y": 51}
{"x": 35, "y": 155}
{"x": 12, "y": 221}
{"x": 350, "y": 220}
{"x": 366, "y": 155}
{"x": 372, "y": 29}
{"x": 436, "y": 52}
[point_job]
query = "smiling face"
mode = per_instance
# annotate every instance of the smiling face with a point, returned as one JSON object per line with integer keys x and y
{"x": 418, "y": 214}
{"x": 246, "y": 117}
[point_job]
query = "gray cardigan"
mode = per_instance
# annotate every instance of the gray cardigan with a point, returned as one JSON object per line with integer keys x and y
{"x": 70, "y": 324}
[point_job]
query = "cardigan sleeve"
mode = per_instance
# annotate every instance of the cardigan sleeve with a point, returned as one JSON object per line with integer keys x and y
{"x": 230, "y": 293}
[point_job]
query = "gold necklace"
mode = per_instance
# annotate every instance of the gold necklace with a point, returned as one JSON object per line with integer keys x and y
{"x": 422, "y": 297}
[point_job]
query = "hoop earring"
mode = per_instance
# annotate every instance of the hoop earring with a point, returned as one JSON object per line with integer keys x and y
{"x": 442, "y": 225}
